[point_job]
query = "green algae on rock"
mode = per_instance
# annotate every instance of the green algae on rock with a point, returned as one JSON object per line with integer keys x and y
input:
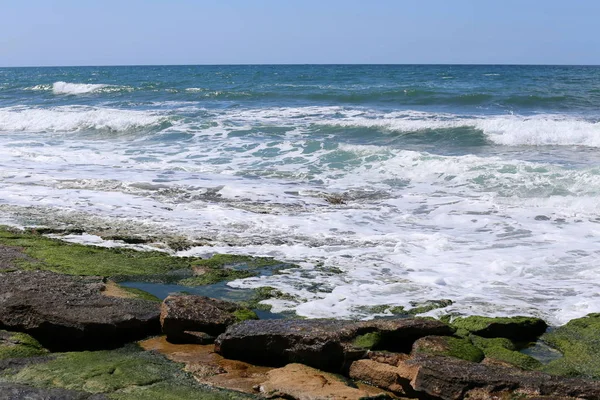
{"x": 19, "y": 345}
{"x": 579, "y": 342}
{"x": 123, "y": 264}
{"x": 368, "y": 341}
{"x": 503, "y": 350}
{"x": 521, "y": 329}
{"x": 125, "y": 374}
{"x": 448, "y": 346}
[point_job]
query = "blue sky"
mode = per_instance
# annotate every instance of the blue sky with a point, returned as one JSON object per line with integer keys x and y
{"x": 126, "y": 32}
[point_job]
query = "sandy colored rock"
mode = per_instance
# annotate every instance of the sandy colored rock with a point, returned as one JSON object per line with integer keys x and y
{"x": 208, "y": 367}
{"x": 301, "y": 382}
{"x": 384, "y": 376}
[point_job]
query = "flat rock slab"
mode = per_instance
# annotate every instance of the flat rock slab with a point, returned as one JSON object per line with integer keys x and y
{"x": 67, "y": 313}
{"x": 328, "y": 345}
{"x": 11, "y": 391}
{"x": 299, "y": 382}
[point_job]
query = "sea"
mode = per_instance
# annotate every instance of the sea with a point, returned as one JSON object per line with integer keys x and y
{"x": 387, "y": 185}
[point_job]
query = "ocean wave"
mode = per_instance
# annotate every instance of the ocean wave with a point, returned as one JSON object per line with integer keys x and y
{"x": 76, "y": 118}
{"x": 65, "y": 88}
{"x": 507, "y": 130}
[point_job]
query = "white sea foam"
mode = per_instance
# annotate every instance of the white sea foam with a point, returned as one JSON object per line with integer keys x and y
{"x": 509, "y": 130}
{"x": 497, "y": 235}
{"x": 82, "y": 88}
{"x": 75, "y": 118}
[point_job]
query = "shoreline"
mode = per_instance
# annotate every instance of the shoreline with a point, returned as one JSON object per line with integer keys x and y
{"x": 38, "y": 270}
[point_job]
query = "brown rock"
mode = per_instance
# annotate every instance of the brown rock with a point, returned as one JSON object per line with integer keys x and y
{"x": 66, "y": 313}
{"x": 385, "y": 357}
{"x": 329, "y": 345}
{"x": 208, "y": 367}
{"x": 195, "y": 319}
{"x": 452, "y": 379}
{"x": 297, "y": 381}
{"x": 381, "y": 375}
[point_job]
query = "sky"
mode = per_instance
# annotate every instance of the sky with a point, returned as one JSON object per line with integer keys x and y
{"x": 144, "y": 32}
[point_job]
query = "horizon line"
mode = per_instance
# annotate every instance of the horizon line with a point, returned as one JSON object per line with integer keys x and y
{"x": 301, "y": 64}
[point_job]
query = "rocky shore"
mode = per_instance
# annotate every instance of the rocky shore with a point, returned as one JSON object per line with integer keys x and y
{"x": 70, "y": 330}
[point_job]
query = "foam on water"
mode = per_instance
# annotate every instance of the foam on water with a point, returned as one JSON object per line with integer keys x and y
{"x": 386, "y": 185}
{"x": 508, "y": 130}
{"x": 497, "y": 236}
{"x": 75, "y": 118}
{"x": 81, "y": 88}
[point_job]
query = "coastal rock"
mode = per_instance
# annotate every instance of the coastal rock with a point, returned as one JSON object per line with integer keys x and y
{"x": 299, "y": 382}
{"x": 579, "y": 342}
{"x": 12, "y": 391}
{"x": 453, "y": 379}
{"x": 329, "y": 345}
{"x": 448, "y": 346}
{"x": 198, "y": 319}
{"x": 382, "y": 375}
{"x": 70, "y": 313}
{"x": 514, "y": 328}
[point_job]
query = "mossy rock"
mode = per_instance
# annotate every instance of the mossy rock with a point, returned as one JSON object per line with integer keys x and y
{"x": 76, "y": 259}
{"x": 448, "y": 346}
{"x": 213, "y": 276}
{"x": 505, "y": 351}
{"x": 520, "y": 329}
{"x": 128, "y": 264}
{"x": 579, "y": 342}
{"x": 368, "y": 341}
{"x": 140, "y": 294}
{"x": 19, "y": 345}
{"x": 125, "y": 374}
{"x": 244, "y": 314}
{"x": 266, "y": 293}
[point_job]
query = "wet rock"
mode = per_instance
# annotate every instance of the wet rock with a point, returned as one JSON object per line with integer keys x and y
{"x": 329, "y": 345}
{"x": 448, "y": 346}
{"x": 503, "y": 351}
{"x": 70, "y": 313}
{"x": 11, "y": 391}
{"x": 299, "y": 382}
{"x": 515, "y": 328}
{"x": 198, "y": 319}
{"x": 453, "y": 379}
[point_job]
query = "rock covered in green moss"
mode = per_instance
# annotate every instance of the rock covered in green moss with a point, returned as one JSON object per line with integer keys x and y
{"x": 124, "y": 374}
{"x": 520, "y": 329}
{"x": 19, "y": 345}
{"x": 448, "y": 346}
{"x": 504, "y": 351}
{"x": 50, "y": 254}
{"x": 183, "y": 316}
{"x": 579, "y": 342}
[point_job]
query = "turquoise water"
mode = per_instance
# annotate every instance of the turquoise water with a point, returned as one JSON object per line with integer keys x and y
{"x": 386, "y": 184}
